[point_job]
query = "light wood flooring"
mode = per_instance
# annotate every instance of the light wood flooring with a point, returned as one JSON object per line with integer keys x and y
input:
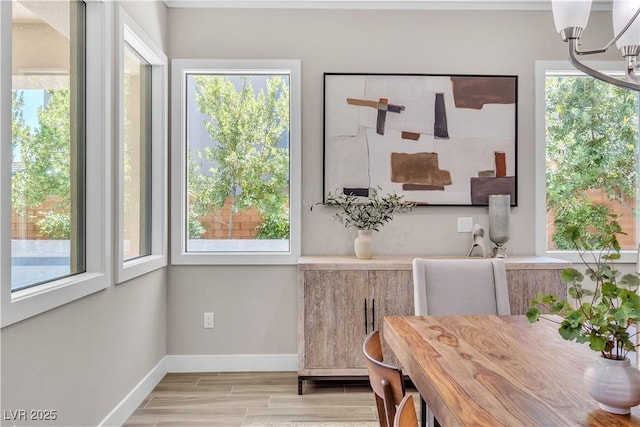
{"x": 238, "y": 399}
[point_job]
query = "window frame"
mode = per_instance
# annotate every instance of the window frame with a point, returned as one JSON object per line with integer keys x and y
{"x": 32, "y": 301}
{"x": 179, "y": 69}
{"x": 540, "y": 214}
{"x": 132, "y": 34}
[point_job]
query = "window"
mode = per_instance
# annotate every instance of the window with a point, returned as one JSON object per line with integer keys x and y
{"x": 136, "y": 164}
{"x": 587, "y": 158}
{"x": 236, "y": 153}
{"x": 142, "y": 160}
{"x": 47, "y": 124}
{"x": 53, "y": 212}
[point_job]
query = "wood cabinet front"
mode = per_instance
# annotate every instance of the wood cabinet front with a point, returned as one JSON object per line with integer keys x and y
{"x": 342, "y": 299}
{"x": 335, "y": 320}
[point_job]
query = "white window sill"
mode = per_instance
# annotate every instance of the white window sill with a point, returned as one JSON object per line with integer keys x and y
{"x": 21, "y": 305}
{"x": 140, "y": 266}
{"x": 626, "y": 257}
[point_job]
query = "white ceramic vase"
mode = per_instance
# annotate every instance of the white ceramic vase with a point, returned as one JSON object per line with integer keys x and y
{"x": 363, "y": 244}
{"x": 615, "y": 384}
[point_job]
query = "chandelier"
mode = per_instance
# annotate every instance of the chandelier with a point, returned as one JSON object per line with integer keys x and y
{"x": 571, "y": 17}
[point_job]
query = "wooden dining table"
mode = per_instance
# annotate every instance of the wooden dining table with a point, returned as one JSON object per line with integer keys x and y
{"x": 498, "y": 371}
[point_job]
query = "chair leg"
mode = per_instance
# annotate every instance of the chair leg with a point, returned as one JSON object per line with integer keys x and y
{"x": 424, "y": 420}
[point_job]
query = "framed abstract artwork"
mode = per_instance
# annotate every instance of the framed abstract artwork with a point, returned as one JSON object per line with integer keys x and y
{"x": 447, "y": 140}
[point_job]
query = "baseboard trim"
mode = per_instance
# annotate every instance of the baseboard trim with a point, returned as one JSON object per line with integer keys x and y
{"x": 130, "y": 403}
{"x": 232, "y": 363}
{"x": 196, "y": 363}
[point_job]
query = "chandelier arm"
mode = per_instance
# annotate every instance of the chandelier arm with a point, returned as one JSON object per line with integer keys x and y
{"x": 611, "y": 43}
{"x": 595, "y": 73}
{"x": 631, "y": 75}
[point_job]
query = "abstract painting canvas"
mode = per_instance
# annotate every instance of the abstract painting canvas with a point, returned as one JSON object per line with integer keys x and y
{"x": 435, "y": 139}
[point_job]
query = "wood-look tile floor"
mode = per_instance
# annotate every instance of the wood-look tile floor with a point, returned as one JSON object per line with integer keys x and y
{"x": 237, "y": 399}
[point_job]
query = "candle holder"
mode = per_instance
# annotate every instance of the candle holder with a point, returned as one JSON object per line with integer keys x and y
{"x": 499, "y": 212}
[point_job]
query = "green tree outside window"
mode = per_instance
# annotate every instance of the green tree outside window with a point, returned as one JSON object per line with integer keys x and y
{"x": 45, "y": 162}
{"x": 592, "y": 138}
{"x": 246, "y": 163}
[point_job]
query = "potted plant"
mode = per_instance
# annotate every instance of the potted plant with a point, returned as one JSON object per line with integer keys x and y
{"x": 365, "y": 215}
{"x": 603, "y": 317}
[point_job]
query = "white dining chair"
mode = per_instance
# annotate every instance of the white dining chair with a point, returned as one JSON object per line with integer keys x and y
{"x": 444, "y": 287}
{"x": 467, "y": 286}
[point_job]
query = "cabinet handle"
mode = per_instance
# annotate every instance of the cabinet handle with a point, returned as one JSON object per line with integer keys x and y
{"x": 373, "y": 314}
{"x": 366, "y": 331}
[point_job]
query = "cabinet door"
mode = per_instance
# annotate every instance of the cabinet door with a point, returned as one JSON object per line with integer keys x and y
{"x": 391, "y": 294}
{"x": 525, "y": 284}
{"x": 334, "y": 318}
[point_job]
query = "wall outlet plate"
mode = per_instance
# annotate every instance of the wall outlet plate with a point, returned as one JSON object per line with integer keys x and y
{"x": 465, "y": 224}
{"x": 208, "y": 320}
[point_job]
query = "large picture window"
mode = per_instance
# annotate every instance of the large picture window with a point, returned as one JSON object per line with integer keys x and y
{"x": 588, "y": 147}
{"x": 47, "y": 126}
{"x": 238, "y": 156}
{"x": 54, "y": 213}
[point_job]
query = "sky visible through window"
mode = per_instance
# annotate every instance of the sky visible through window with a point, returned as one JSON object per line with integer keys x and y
{"x": 34, "y": 100}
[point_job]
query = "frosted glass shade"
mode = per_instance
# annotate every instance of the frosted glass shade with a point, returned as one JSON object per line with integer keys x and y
{"x": 570, "y": 13}
{"x": 622, "y": 12}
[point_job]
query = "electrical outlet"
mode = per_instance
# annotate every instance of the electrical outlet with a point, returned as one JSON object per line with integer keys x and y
{"x": 208, "y": 320}
{"x": 465, "y": 224}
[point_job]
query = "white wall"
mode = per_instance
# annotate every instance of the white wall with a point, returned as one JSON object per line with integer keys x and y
{"x": 446, "y": 42}
{"x": 83, "y": 358}
{"x": 253, "y": 309}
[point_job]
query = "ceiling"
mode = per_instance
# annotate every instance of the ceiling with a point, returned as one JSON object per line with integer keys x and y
{"x": 52, "y": 13}
{"x": 378, "y": 4}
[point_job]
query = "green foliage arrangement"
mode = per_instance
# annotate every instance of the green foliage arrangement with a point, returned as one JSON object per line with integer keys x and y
{"x": 601, "y": 317}
{"x": 370, "y": 214}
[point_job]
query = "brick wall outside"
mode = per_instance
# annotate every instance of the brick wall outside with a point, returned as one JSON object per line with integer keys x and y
{"x": 23, "y": 227}
{"x": 245, "y": 223}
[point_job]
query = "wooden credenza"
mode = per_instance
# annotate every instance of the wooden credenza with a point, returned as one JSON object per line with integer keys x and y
{"x": 342, "y": 299}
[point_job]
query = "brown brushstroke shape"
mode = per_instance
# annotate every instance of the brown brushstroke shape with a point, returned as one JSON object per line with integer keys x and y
{"x": 416, "y": 187}
{"x": 382, "y": 106}
{"x": 392, "y": 108}
{"x": 410, "y": 135}
{"x": 474, "y": 92}
{"x": 501, "y": 163}
{"x": 482, "y": 188}
{"x": 418, "y": 168}
{"x": 362, "y": 103}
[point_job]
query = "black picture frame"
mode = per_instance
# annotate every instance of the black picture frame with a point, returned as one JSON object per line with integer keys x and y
{"x": 436, "y": 139}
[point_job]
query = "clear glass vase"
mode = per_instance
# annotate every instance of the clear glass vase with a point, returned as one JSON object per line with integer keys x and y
{"x": 499, "y": 219}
